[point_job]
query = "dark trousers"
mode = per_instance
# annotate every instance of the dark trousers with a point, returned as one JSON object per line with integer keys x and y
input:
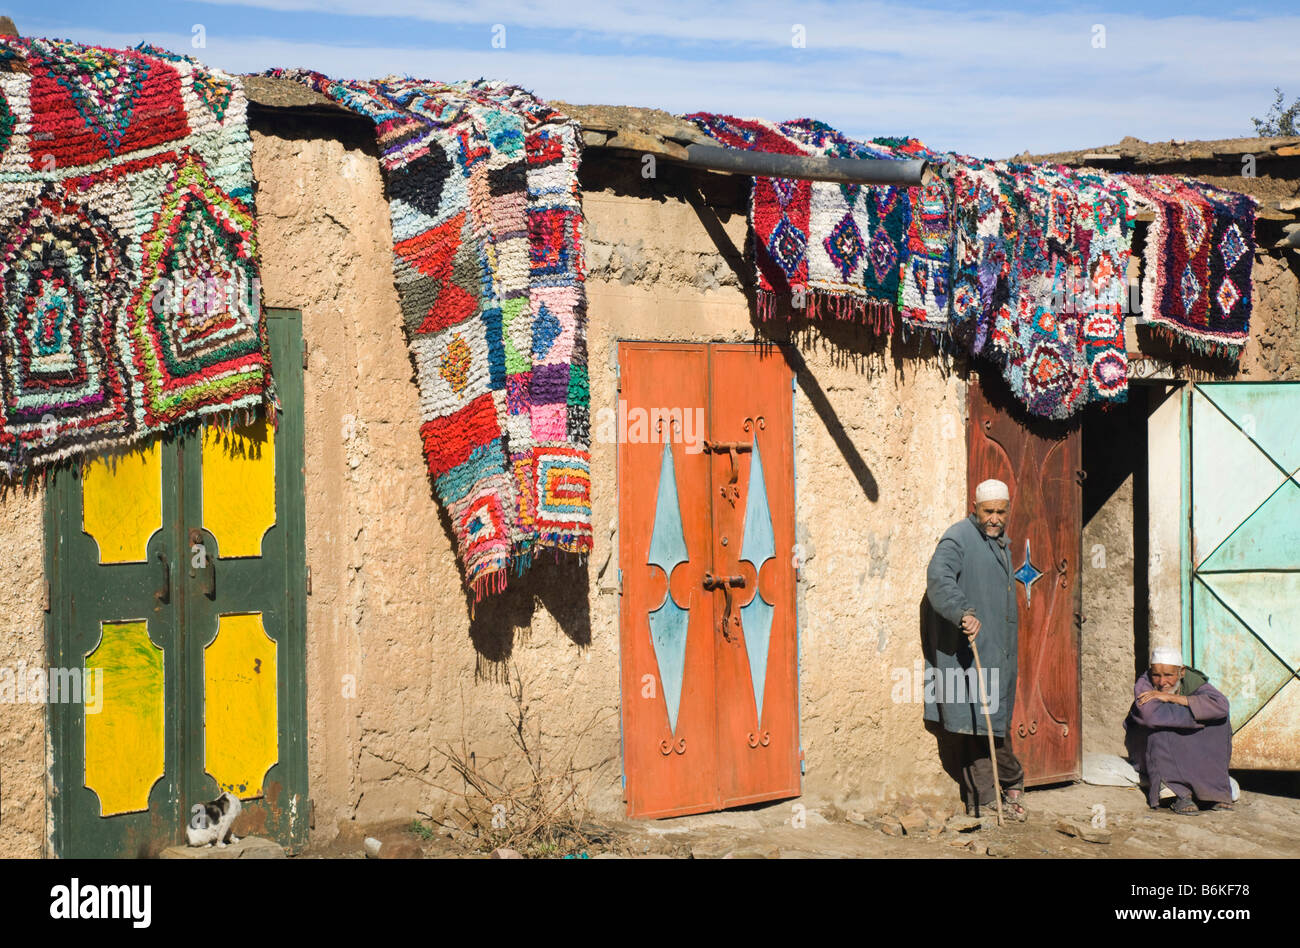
{"x": 977, "y": 770}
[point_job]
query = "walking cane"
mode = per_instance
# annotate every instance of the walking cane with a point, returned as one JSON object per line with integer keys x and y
{"x": 988, "y": 722}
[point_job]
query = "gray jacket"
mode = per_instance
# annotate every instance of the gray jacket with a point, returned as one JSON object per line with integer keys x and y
{"x": 970, "y": 572}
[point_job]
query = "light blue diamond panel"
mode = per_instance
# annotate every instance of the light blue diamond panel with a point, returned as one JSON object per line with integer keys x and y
{"x": 669, "y": 622}
{"x": 1028, "y": 574}
{"x": 757, "y": 547}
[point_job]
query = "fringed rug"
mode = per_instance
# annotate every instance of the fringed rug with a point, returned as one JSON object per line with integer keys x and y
{"x": 1064, "y": 344}
{"x": 1023, "y": 266}
{"x": 130, "y": 292}
{"x": 487, "y": 231}
{"x": 1199, "y": 253}
{"x": 1040, "y": 265}
{"x": 830, "y": 250}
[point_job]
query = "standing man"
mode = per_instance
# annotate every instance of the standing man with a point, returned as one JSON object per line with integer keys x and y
{"x": 971, "y": 588}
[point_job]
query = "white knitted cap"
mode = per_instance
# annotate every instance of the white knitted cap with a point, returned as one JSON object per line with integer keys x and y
{"x": 991, "y": 490}
{"x": 1167, "y": 655}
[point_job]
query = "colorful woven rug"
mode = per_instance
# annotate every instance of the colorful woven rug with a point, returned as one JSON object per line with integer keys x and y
{"x": 1022, "y": 266}
{"x": 130, "y": 291}
{"x": 487, "y": 257}
{"x": 837, "y": 248}
{"x": 1199, "y": 253}
{"x": 1059, "y": 336}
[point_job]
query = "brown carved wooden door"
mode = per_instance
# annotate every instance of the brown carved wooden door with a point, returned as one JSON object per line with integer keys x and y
{"x": 1040, "y": 461}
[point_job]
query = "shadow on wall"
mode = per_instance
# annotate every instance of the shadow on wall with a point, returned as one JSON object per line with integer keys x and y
{"x": 849, "y": 343}
{"x": 557, "y": 580}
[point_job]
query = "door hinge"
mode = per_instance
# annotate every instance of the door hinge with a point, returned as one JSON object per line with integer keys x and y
{"x": 45, "y": 601}
{"x": 620, "y": 582}
{"x": 803, "y": 764}
{"x": 304, "y": 354}
{"x": 309, "y": 580}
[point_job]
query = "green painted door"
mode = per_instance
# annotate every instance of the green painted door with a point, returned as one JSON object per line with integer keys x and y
{"x": 176, "y": 603}
{"x": 1243, "y": 561}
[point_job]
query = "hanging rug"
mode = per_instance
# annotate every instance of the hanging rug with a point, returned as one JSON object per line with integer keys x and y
{"x": 131, "y": 299}
{"x": 1198, "y": 257}
{"x": 487, "y": 257}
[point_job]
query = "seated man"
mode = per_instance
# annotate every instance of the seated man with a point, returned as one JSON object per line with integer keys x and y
{"x": 1178, "y": 734}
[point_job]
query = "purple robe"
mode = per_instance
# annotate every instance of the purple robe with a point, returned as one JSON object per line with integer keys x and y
{"x": 1186, "y": 748}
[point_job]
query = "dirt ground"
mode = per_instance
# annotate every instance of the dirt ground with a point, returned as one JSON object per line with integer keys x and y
{"x": 1265, "y": 824}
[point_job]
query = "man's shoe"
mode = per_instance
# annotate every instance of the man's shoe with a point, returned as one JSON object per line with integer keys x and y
{"x": 1184, "y": 806}
{"x": 1013, "y": 807}
{"x": 1222, "y": 806}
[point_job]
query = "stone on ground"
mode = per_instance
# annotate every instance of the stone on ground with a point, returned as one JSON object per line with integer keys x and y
{"x": 1083, "y": 831}
{"x": 914, "y": 821}
{"x": 399, "y": 846}
{"x": 248, "y": 847}
{"x": 890, "y": 826}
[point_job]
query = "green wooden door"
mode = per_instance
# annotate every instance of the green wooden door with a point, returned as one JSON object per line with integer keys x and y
{"x": 1243, "y": 561}
{"x": 176, "y": 576}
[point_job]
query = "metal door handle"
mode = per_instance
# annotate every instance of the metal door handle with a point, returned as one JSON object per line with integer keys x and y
{"x": 725, "y": 583}
{"x": 164, "y": 592}
{"x": 209, "y": 564}
{"x": 730, "y": 490}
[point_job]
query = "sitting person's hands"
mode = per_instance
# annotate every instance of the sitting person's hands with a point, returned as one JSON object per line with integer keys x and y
{"x": 1160, "y": 696}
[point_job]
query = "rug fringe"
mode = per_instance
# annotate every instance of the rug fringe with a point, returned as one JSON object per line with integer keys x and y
{"x": 1201, "y": 345}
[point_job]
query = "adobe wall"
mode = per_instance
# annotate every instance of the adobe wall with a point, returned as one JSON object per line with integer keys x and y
{"x": 23, "y": 812}
{"x": 387, "y": 605}
{"x": 880, "y": 470}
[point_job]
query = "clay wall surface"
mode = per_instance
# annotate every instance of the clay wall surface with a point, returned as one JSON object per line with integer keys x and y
{"x": 23, "y": 754}
{"x": 400, "y": 675}
{"x": 387, "y": 605}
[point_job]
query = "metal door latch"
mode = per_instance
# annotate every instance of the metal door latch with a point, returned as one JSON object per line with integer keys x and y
{"x": 726, "y": 584}
{"x": 164, "y": 592}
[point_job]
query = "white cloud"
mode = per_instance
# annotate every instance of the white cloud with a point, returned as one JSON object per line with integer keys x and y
{"x": 984, "y": 84}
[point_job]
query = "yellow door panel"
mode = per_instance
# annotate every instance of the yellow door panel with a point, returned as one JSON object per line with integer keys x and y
{"x": 124, "y": 739}
{"x": 122, "y": 503}
{"x": 239, "y": 675}
{"x": 239, "y": 486}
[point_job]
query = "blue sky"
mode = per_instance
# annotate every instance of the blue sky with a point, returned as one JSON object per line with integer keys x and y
{"x": 1012, "y": 75}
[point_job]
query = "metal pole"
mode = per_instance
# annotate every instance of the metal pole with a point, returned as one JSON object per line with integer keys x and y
{"x": 908, "y": 172}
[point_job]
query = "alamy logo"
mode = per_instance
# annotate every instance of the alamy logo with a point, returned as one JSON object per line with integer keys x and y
{"x": 103, "y": 901}
{"x": 23, "y": 685}
{"x": 638, "y": 425}
{"x": 947, "y": 686}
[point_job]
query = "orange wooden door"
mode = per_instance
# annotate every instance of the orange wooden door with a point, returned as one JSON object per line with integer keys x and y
{"x": 1040, "y": 461}
{"x": 709, "y": 664}
{"x": 669, "y": 726}
{"x": 753, "y": 532}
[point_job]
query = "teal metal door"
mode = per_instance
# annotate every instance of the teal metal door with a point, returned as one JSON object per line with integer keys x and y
{"x": 1242, "y": 563}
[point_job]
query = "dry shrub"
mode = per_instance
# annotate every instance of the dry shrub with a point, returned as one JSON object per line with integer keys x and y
{"x": 533, "y": 798}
